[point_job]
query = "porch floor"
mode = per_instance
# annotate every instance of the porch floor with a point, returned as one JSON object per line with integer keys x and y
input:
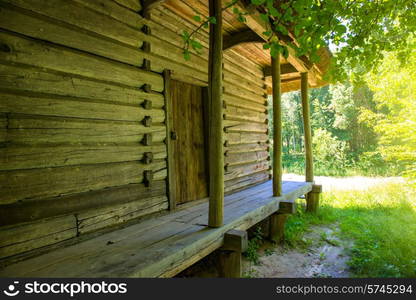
{"x": 158, "y": 247}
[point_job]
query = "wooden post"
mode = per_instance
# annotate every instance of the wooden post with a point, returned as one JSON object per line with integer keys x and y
{"x": 312, "y": 198}
{"x": 169, "y": 141}
{"x": 277, "y": 127}
{"x": 277, "y": 227}
{"x": 307, "y": 127}
{"x": 235, "y": 243}
{"x": 215, "y": 141}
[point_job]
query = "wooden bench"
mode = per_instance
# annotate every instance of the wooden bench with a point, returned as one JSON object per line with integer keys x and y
{"x": 158, "y": 247}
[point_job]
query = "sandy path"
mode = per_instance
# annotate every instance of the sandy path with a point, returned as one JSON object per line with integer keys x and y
{"x": 325, "y": 256}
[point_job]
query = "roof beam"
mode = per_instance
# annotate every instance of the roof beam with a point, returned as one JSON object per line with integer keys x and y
{"x": 284, "y": 69}
{"x": 241, "y": 37}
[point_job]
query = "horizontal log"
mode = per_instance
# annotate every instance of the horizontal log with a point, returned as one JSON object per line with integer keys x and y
{"x": 34, "y": 210}
{"x": 114, "y": 10}
{"x": 168, "y": 26}
{"x": 245, "y": 181}
{"x": 245, "y": 147}
{"x": 53, "y": 130}
{"x": 236, "y": 126}
{"x": 44, "y": 55}
{"x": 244, "y": 94}
{"x": 46, "y": 156}
{"x": 245, "y": 157}
{"x": 37, "y": 184}
{"x": 24, "y": 121}
{"x": 243, "y": 81}
{"x": 162, "y": 55}
{"x": 79, "y": 16}
{"x": 232, "y": 172}
{"x": 246, "y": 104}
{"x": 241, "y": 114}
{"x": 25, "y": 78}
{"x": 134, "y": 5}
{"x": 245, "y": 138}
{"x": 28, "y": 236}
{"x": 98, "y": 218}
{"x": 172, "y": 14}
{"x": 52, "y": 105}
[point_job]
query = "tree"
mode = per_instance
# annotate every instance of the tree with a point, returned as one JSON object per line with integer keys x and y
{"x": 359, "y": 31}
{"x": 394, "y": 87}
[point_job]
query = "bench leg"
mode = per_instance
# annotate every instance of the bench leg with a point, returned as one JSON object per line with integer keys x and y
{"x": 235, "y": 243}
{"x": 277, "y": 227}
{"x": 312, "y": 199}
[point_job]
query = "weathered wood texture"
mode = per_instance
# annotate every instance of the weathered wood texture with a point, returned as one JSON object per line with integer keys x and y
{"x": 190, "y": 157}
{"x": 167, "y": 244}
{"x": 81, "y": 108}
{"x": 245, "y": 112}
{"x": 82, "y": 123}
{"x": 215, "y": 128}
{"x": 307, "y": 128}
{"x": 277, "y": 227}
{"x": 277, "y": 128}
{"x": 170, "y": 147}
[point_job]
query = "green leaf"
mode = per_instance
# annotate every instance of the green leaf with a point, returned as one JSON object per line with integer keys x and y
{"x": 212, "y": 20}
{"x": 266, "y": 46}
{"x": 274, "y": 12}
{"x": 185, "y": 35}
{"x": 341, "y": 29}
{"x": 195, "y": 44}
{"x": 264, "y": 17}
{"x": 241, "y": 19}
{"x": 197, "y": 18}
{"x": 282, "y": 29}
{"x": 186, "y": 54}
{"x": 285, "y": 52}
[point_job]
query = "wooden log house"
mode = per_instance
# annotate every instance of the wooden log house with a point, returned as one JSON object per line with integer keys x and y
{"x": 123, "y": 159}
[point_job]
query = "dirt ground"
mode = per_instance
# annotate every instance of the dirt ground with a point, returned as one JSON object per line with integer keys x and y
{"x": 325, "y": 256}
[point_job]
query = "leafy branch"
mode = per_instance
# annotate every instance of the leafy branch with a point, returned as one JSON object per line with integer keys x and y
{"x": 359, "y": 31}
{"x": 189, "y": 39}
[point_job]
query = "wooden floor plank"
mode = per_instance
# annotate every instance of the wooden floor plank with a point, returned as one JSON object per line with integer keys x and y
{"x": 161, "y": 246}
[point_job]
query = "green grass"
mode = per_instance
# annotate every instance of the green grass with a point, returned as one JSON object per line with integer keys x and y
{"x": 381, "y": 222}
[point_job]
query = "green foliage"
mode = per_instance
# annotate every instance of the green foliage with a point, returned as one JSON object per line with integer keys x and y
{"x": 252, "y": 253}
{"x": 342, "y": 143}
{"x": 394, "y": 87}
{"x": 380, "y": 221}
{"x": 329, "y": 152}
{"x": 356, "y": 30}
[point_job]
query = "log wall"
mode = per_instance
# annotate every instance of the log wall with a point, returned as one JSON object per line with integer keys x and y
{"x": 245, "y": 100}
{"x": 82, "y": 107}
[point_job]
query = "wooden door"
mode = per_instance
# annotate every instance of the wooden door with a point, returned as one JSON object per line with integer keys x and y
{"x": 189, "y": 141}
